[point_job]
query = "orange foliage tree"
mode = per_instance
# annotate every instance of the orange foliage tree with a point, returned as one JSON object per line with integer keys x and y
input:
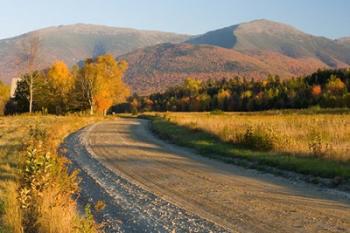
{"x": 316, "y": 90}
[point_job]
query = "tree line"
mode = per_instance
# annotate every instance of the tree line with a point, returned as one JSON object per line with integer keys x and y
{"x": 97, "y": 86}
{"x": 93, "y": 87}
{"x": 324, "y": 88}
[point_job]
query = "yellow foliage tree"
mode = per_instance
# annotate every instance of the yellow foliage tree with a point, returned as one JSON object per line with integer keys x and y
{"x": 223, "y": 97}
{"x": 100, "y": 83}
{"x": 60, "y": 85}
{"x": 336, "y": 86}
{"x": 4, "y": 96}
{"x": 192, "y": 86}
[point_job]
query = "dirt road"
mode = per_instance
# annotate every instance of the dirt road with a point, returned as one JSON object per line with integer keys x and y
{"x": 152, "y": 186}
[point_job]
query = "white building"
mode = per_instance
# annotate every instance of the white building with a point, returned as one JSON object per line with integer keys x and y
{"x": 14, "y": 86}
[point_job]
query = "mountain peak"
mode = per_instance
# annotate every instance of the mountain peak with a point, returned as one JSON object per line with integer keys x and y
{"x": 267, "y": 26}
{"x": 251, "y": 35}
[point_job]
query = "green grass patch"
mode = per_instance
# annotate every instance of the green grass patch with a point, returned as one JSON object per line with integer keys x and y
{"x": 211, "y": 146}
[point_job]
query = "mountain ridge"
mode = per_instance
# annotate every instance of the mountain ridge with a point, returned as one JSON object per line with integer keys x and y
{"x": 254, "y": 49}
{"x": 267, "y": 35}
{"x": 74, "y": 43}
{"x": 87, "y": 26}
{"x": 158, "y": 60}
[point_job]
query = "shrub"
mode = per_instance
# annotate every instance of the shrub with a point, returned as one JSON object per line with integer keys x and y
{"x": 134, "y": 111}
{"x": 257, "y": 139}
{"x": 217, "y": 112}
{"x": 37, "y": 134}
{"x": 100, "y": 205}
{"x": 87, "y": 225}
{"x": 46, "y": 186}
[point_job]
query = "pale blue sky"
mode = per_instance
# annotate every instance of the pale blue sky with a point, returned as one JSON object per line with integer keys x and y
{"x": 330, "y": 18}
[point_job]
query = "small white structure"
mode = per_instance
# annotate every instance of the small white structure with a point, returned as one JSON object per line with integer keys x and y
{"x": 14, "y": 86}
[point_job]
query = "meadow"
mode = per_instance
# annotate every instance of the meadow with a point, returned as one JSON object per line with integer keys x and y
{"x": 309, "y": 142}
{"x": 321, "y": 135}
{"x": 35, "y": 187}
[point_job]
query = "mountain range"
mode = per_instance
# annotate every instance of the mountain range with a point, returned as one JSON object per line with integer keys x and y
{"x": 158, "y": 60}
{"x": 74, "y": 43}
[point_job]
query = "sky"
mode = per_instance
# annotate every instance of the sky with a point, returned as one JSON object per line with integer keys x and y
{"x": 329, "y": 18}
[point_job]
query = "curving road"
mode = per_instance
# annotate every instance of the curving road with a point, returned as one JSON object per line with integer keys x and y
{"x": 151, "y": 186}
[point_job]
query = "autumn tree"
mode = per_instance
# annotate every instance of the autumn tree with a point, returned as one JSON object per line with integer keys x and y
{"x": 147, "y": 104}
{"x": 60, "y": 85}
{"x": 335, "y": 86}
{"x": 100, "y": 83}
{"x": 223, "y": 97}
{"x": 316, "y": 90}
{"x": 4, "y": 96}
{"x": 204, "y": 100}
{"x": 134, "y": 105}
{"x": 192, "y": 86}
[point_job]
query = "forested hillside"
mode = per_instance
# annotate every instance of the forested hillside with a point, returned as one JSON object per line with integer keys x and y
{"x": 327, "y": 88}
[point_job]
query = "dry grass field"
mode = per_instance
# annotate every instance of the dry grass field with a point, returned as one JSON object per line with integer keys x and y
{"x": 310, "y": 142}
{"x": 321, "y": 135}
{"x": 54, "y": 210}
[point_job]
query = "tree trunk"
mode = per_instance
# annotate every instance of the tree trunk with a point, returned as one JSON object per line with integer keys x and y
{"x": 31, "y": 95}
{"x": 91, "y": 109}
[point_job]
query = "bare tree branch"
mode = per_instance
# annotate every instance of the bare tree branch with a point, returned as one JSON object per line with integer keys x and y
{"x": 29, "y": 56}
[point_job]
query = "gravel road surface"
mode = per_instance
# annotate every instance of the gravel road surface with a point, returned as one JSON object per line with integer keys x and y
{"x": 151, "y": 186}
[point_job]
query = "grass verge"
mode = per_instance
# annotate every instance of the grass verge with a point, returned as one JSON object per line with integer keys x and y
{"x": 35, "y": 186}
{"x": 211, "y": 146}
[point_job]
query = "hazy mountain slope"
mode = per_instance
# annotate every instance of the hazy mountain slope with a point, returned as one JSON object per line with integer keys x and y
{"x": 254, "y": 49}
{"x": 265, "y": 35}
{"x": 344, "y": 42}
{"x": 74, "y": 43}
{"x": 158, "y": 67}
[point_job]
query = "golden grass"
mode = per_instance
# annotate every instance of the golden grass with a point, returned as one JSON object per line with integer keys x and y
{"x": 323, "y": 135}
{"x": 57, "y": 213}
{"x": 12, "y": 217}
